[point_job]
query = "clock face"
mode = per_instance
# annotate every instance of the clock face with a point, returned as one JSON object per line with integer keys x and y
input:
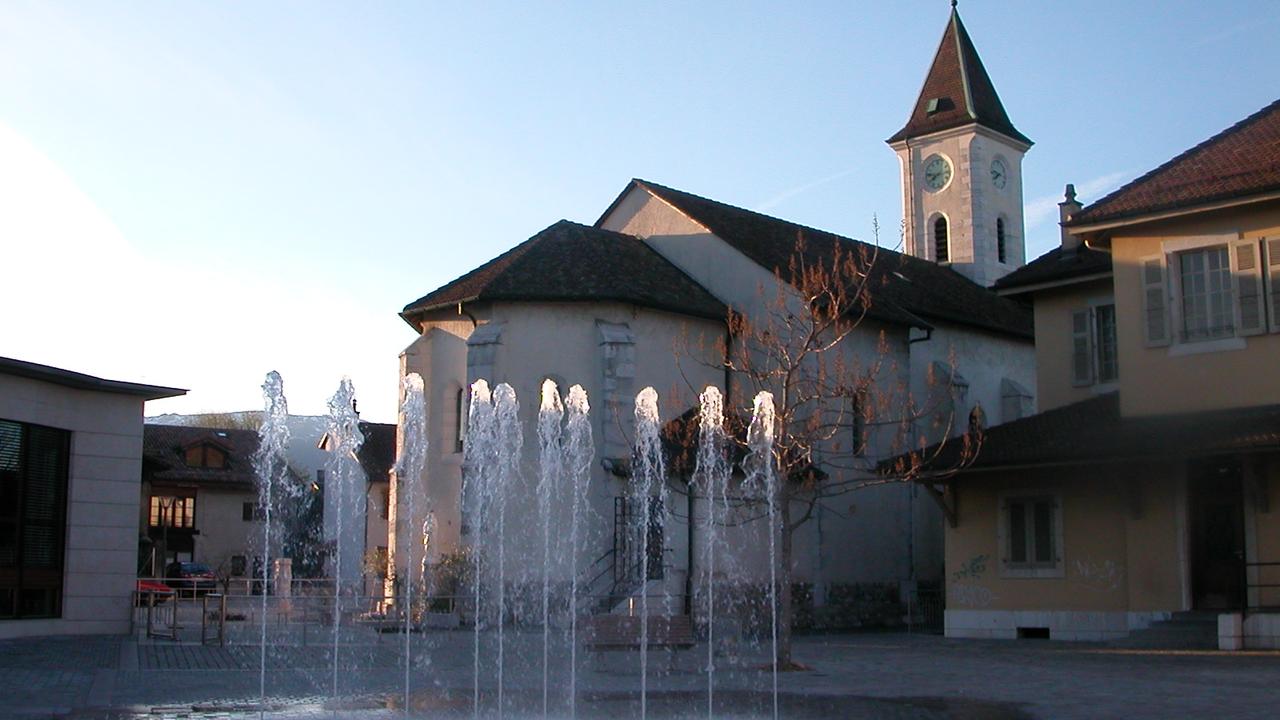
{"x": 937, "y": 172}
{"x": 999, "y": 173}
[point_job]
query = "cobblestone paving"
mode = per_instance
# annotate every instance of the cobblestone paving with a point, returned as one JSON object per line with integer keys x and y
{"x": 880, "y": 676}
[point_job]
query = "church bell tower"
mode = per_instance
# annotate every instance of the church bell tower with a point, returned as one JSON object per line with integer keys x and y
{"x": 961, "y": 161}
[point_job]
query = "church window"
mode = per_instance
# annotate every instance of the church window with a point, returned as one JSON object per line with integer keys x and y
{"x": 1000, "y": 244}
{"x": 940, "y": 240}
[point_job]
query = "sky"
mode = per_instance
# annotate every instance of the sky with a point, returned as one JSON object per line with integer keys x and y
{"x": 194, "y": 194}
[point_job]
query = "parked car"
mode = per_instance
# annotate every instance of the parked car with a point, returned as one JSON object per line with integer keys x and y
{"x": 193, "y": 577}
{"x": 147, "y": 588}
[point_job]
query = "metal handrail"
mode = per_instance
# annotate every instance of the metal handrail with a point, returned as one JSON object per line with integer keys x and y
{"x": 1245, "y": 606}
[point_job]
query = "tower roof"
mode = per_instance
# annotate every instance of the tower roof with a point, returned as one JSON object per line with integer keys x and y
{"x": 957, "y": 91}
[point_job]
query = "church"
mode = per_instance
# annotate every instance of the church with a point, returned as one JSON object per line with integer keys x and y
{"x": 642, "y": 297}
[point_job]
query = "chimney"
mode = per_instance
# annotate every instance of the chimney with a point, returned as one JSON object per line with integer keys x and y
{"x": 1068, "y": 207}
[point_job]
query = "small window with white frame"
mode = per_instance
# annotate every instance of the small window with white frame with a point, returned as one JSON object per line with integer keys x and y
{"x": 1031, "y": 535}
{"x": 1095, "y": 358}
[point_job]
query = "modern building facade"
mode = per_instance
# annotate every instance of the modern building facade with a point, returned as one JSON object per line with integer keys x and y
{"x": 70, "y": 458}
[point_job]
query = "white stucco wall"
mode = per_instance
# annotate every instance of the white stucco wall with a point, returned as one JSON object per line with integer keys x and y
{"x": 223, "y": 530}
{"x": 102, "y": 501}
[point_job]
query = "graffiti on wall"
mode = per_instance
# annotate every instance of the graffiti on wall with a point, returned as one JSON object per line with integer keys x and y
{"x": 965, "y": 589}
{"x": 973, "y": 569}
{"x": 1105, "y": 576}
{"x": 969, "y": 595}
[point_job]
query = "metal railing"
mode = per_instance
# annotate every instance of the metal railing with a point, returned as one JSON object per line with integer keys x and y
{"x": 1257, "y": 587}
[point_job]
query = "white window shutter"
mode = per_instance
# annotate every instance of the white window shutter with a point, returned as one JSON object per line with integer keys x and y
{"x": 1081, "y": 348}
{"x": 1272, "y": 254}
{"x": 1251, "y": 317}
{"x": 1155, "y": 309}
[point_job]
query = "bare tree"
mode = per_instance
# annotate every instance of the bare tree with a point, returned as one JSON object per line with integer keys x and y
{"x": 820, "y": 347}
{"x": 242, "y": 420}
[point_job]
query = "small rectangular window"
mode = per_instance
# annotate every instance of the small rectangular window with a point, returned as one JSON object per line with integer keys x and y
{"x": 1031, "y": 533}
{"x": 1104, "y": 343}
{"x": 460, "y": 424}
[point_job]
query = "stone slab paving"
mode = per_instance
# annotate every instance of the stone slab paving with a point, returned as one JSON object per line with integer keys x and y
{"x": 881, "y": 676}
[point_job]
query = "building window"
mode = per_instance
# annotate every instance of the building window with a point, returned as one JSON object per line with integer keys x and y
{"x": 33, "y": 499}
{"x": 858, "y": 423}
{"x": 941, "y": 239}
{"x": 1000, "y": 244}
{"x": 238, "y": 565}
{"x": 1031, "y": 535}
{"x": 1016, "y": 401}
{"x": 1205, "y": 277}
{"x": 385, "y": 510}
{"x": 205, "y": 456}
{"x": 252, "y": 511}
{"x": 1094, "y": 356}
{"x": 460, "y": 421}
{"x": 1213, "y": 290}
{"x": 173, "y": 512}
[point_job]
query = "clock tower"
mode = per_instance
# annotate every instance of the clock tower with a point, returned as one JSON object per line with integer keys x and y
{"x": 961, "y": 161}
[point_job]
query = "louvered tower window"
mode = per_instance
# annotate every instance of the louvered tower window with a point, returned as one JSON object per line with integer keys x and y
{"x": 940, "y": 240}
{"x": 1000, "y": 251}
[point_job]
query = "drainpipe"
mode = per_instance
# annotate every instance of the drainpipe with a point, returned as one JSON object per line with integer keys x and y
{"x": 688, "y": 575}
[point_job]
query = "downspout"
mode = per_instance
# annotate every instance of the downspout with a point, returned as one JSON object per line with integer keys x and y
{"x": 688, "y": 575}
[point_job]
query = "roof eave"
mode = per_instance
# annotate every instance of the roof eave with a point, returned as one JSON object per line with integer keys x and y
{"x": 1049, "y": 284}
{"x": 1085, "y": 226}
{"x": 81, "y": 381}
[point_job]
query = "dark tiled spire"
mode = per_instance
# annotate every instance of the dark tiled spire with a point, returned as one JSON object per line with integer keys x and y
{"x": 957, "y": 91}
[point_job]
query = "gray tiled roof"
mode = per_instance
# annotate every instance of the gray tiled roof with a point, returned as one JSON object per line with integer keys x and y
{"x": 903, "y": 288}
{"x": 573, "y": 262}
{"x": 1093, "y": 430}
{"x": 1055, "y": 266}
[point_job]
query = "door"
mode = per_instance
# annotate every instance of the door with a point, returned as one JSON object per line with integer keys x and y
{"x": 1217, "y": 534}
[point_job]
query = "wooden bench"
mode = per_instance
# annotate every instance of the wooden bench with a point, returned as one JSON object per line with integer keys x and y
{"x": 622, "y": 632}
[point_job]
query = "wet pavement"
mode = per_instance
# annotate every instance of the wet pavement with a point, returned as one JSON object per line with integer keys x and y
{"x": 863, "y": 676}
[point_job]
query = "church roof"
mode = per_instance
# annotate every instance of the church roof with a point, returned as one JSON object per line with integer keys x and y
{"x": 903, "y": 289}
{"x": 1238, "y": 162}
{"x": 957, "y": 91}
{"x": 577, "y": 263}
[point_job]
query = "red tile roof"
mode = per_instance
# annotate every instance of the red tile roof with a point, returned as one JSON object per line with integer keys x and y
{"x": 963, "y": 91}
{"x": 1240, "y": 161}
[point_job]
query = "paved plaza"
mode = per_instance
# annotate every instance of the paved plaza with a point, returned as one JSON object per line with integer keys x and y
{"x": 864, "y": 675}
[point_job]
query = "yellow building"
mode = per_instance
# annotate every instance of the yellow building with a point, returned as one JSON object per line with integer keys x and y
{"x": 1143, "y": 498}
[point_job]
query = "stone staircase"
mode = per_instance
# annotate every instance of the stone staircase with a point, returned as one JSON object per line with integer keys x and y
{"x": 1190, "y": 630}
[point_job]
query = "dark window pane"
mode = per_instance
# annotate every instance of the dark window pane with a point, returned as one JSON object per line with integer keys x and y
{"x": 1044, "y": 532}
{"x": 33, "y": 486}
{"x": 8, "y": 543}
{"x": 1017, "y": 533}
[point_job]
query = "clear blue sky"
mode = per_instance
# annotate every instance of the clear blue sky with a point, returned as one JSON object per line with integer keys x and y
{"x": 194, "y": 194}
